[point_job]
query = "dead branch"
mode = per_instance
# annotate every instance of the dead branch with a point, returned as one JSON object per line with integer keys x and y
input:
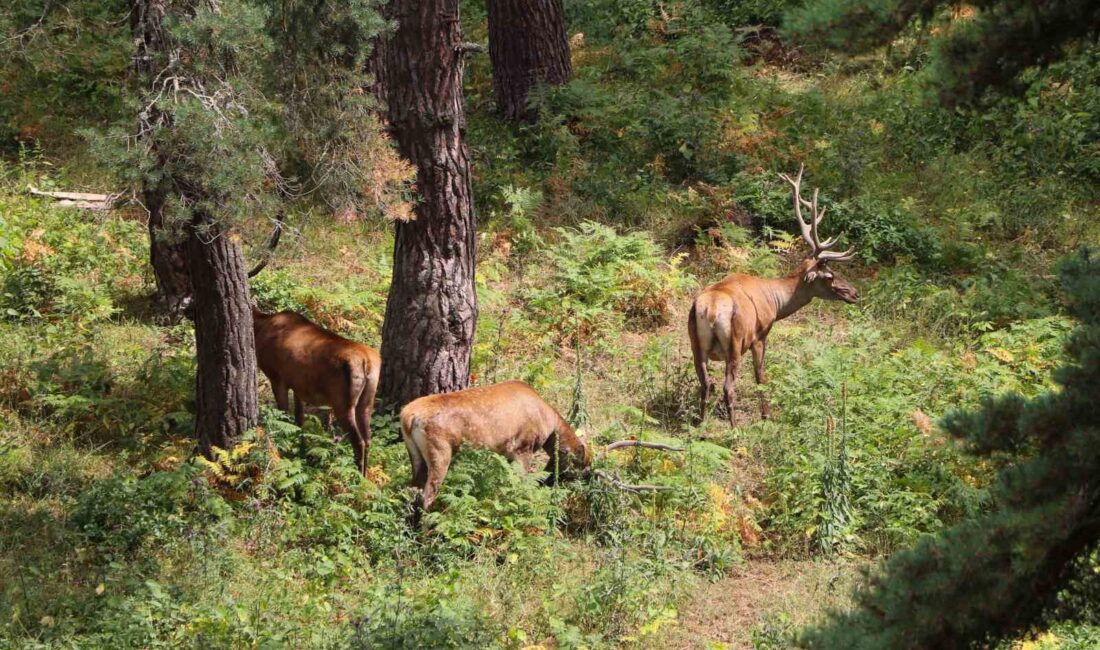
{"x": 641, "y": 443}
{"x": 617, "y": 482}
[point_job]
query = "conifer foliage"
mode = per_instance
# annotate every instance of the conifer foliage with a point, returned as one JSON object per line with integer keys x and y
{"x": 995, "y": 576}
{"x": 986, "y": 48}
{"x": 235, "y": 99}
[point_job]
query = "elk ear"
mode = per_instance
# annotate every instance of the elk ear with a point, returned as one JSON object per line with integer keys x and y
{"x": 817, "y": 272}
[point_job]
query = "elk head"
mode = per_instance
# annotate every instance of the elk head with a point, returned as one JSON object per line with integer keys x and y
{"x": 573, "y": 457}
{"x": 816, "y": 276}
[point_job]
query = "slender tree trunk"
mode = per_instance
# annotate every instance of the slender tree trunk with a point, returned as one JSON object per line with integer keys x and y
{"x": 225, "y": 385}
{"x": 527, "y": 46}
{"x": 167, "y": 250}
{"x": 168, "y": 256}
{"x": 432, "y": 307}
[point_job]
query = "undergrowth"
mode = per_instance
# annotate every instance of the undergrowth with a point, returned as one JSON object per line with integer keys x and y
{"x": 650, "y": 174}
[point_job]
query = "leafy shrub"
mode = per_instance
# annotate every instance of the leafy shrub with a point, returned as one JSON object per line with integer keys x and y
{"x": 624, "y": 595}
{"x": 425, "y": 620}
{"x": 743, "y": 13}
{"x": 599, "y": 279}
{"x": 56, "y": 262}
{"x": 277, "y": 290}
{"x": 881, "y": 231}
{"x": 121, "y": 514}
{"x": 903, "y": 479}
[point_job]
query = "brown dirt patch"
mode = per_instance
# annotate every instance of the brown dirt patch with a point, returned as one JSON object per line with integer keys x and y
{"x": 723, "y": 614}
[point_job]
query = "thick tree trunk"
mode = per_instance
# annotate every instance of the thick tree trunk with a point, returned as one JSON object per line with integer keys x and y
{"x": 376, "y": 66}
{"x": 527, "y": 46}
{"x": 432, "y": 307}
{"x": 225, "y": 385}
{"x": 167, "y": 250}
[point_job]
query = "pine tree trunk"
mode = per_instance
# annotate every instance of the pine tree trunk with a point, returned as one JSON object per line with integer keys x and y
{"x": 225, "y": 385}
{"x": 376, "y": 66}
{"x": 431, "y": 311}
{"x": 527, "y": 46}
{"x": 168, "y": 256}
{"x": 167, "y": 251}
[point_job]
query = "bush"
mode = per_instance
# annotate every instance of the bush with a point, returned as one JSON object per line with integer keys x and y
{"x": 56, "y": 262}
{"x": 903, "y": 479}
{"x": 121, "y": 514}
{"x": 425, "y": 621}
{"x": 600, "y": 280}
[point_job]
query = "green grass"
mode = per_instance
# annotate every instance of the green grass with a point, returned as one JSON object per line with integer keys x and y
{"x": 598, "y": 225}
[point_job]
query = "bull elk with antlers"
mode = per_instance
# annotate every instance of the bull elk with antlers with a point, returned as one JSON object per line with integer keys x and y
{"x": 321, "y": 367}
{"x": 508, "y": 418}
{"x": 735, "y": 315}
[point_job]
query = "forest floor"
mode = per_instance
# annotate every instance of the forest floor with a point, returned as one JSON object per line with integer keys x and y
{"x": 652, "y": 176}
{"x": 762, "y": 598}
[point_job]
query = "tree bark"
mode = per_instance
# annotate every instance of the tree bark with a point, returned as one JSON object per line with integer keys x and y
{"x": 225, "y": 384}
{"x": 167, "y": 250}
{"x": 527, "y": 46}
{"x": 168, "y": 256}
{"x": 431, "y": 311}
{"x": 376, "y": 66}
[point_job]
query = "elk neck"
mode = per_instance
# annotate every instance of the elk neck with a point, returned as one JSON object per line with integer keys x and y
{"x": 788, "y": 294}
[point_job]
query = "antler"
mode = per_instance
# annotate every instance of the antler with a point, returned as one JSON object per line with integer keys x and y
{"x": 819, "y": 249}
{"x": 614, "y": 480}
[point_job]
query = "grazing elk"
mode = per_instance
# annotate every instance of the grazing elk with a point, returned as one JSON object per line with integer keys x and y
{"x": 509, "y": 418}
{"x": 734, "y": 315}
{"x": 323, "y": 369}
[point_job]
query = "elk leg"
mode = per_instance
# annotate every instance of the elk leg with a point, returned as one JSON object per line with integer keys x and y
{"x": 299, "y": 410}
{"x": 758, "y": 349}
{"x": 732, "y": 366}
{"x": 438, "y": 460}
{"x": 346, "y": 419}
{"x": 700, "y": 365}
{"x": 419, "y": 467}
{"x": 363, "y": 409}
{"x": 704, "y": 388}
{"x": 282, "y": 395}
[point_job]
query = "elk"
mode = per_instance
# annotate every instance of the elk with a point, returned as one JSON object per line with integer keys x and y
{"x": 508, "y": 418}
{"x": 323, "y": 369}
{"x": 734, "y": 315}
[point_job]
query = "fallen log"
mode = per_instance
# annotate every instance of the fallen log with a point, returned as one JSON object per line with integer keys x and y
{"x": 74, "y": 196}
{"x": 82, "y": 200}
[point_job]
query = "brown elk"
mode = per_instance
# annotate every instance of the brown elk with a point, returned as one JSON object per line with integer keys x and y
{"x": 323, "y": 369}
{"x": 509, "y": 418}
{"x": 734, "y": 315}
